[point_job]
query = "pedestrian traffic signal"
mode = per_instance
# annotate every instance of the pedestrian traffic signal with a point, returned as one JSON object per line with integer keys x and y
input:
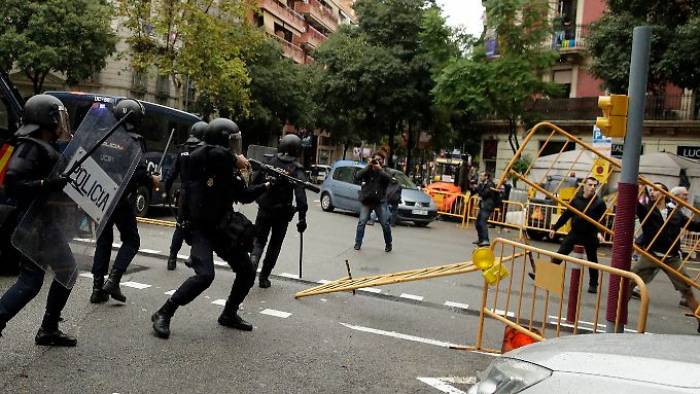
{"x": 613, "y": 123}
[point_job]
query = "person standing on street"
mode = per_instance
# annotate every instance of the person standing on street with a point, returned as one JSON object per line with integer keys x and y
{"x": 216, "y": 185}
{"x": 182, "y": 169}
{"x": 660, "y": 236}
{"x": 45, "y": 122}
{"x": 583, "y": 232}
{"x": 275, "y": 209}
{"x": 374, "y": 180}
{"x": 487, "y": 193}
{"x": 124, "y": 217}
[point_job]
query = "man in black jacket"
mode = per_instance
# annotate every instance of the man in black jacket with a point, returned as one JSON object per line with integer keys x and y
{"x": 582, "y": 231}
{"x": 661, "y": 232}
{"x": 374, "y": 181}
{"x": 486, "y": 191}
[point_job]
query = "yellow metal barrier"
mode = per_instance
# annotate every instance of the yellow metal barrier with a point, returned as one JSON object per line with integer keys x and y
{"x": 157, "y": 222}
{"x": 450, "y": 204}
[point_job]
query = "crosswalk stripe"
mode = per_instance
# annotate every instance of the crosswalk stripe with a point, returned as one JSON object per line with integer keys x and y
{"x": 136, "y": 285}
{"x": 272, "y": 312}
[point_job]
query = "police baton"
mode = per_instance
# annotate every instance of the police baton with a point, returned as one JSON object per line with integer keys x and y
{"x": 97, "y": 145}
{"x": 301, "y": 251}
{"x": 165, "y": 151}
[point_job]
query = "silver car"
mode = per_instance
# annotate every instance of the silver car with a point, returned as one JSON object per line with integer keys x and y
{"x": 601, "y": 363}
{"x": 340, "y": 191}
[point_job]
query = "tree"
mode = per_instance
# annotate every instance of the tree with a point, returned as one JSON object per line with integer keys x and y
{"x": 200, "y": 41}
{"x": 673, "y": 56}
{"x": 73, "y": 38}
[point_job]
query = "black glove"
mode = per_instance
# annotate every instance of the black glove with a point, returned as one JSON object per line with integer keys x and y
{"x": 301, "y": 226}
{"x": 55, "y": 184}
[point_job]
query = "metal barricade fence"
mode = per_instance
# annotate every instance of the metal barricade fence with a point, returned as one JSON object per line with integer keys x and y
{"x": 552, "y": 304}
{"x": 450, "y": 204}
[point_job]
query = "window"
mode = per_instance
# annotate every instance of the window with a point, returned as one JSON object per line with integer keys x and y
{"x": 554, "y": 147}
{"x": 344, "y": 174}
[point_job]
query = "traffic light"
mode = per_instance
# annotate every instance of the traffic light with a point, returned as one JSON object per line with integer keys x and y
{"x": 613, "y": 123}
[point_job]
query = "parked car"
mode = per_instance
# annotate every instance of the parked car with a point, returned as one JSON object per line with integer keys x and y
{"x": 601, "y": 363}
{"x": 340, "y": 190}
{"x": 319, "y": 173}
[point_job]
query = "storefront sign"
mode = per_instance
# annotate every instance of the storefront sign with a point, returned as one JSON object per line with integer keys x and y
{"x": 691, "y": 152}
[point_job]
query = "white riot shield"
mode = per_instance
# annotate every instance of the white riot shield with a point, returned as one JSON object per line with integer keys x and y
{"x": 93, "y": 191}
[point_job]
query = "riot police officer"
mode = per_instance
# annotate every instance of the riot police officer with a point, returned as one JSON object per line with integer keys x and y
{"x": 216, "y": 184}
{"x": 182, "y": 169}
{"x": 275, "y": 209}
{"x": 45, "y": 122}
{"x": 123, "y": 217}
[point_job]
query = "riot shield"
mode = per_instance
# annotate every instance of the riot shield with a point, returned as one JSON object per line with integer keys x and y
{"x": 260, "y": 153}
{"x": 94, "y": 188}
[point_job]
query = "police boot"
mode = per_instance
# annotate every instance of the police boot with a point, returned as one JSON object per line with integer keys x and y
{"x": 112, "y": 286}
{"x": 230, "y": 318}
{"x": 50, "y": 335}
{"x": 98, "y": 296}
{"x": 264, "y": 282}
{"x": 161, "y": 319}
{"x": 172, "y": 261}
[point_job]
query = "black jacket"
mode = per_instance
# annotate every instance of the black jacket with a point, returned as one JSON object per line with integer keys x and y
{"x": 375, "y": 180}
{"x": 667, "y": 239}
{"x": 31, "y": 162}
{"x": 487, "y": 194}
{"x": 580, "y": 228}
{"x": 277, "y": 202}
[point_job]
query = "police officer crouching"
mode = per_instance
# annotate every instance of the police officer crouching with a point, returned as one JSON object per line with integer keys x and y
{"x": 275, "y": 207}
{"x": 45, "y": 122}
{"x": 182, "y": 169}
{"x": 123, "y": 217}
{"x": 216, "y": 185}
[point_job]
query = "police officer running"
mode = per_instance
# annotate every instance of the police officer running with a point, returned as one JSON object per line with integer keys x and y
{"x": 123, "y": 217}
{"x": 275, "y": 209}
{"x": 182, "y": 169}
{"x": 45, "y": 122}
{"x": 216, "y": 185}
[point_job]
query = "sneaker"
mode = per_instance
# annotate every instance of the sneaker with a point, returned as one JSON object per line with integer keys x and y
{"x": 593, "y": 289}
{"x": 357, "y": 247}
{"x": 483, "y": 243}
{"x": 387, "y": 248}
{"x": 46, "y": 337}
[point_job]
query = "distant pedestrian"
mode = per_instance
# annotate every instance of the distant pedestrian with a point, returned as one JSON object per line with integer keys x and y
{"x": 486, "y": 190}
{"x": 374, "y": 180}
{"x": 582, "y": 231}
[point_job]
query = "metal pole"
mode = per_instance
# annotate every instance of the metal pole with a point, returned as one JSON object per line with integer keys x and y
{"x": 627, "y": 186}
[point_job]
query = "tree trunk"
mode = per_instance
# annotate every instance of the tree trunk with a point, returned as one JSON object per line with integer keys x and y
{"x": 409, "y": 149}
{"x": 392, "y": 134}
{"x": 345, "y": 150}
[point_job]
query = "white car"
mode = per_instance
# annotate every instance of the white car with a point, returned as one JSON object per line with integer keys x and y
{"x": 600, "y": 363}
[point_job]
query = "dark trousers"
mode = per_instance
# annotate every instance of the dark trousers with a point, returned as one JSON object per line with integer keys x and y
{"x": 567, "y": 245}
{"x": 274, "y": 227}
{"x": 202, "y": 256}
{"x": 28, "y": 285}
{"x": 176, "y": 243}
{"x": 482, "y": 224}
{"x": 125, "y": 220}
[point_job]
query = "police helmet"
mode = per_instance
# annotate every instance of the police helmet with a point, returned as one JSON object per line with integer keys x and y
{"x": 290, "y": 146}
{"x": 197, "y": 132}
{"x": 224, "y": 132}
{"x": 125, "y": 106}
{"x": 44, "y": 111}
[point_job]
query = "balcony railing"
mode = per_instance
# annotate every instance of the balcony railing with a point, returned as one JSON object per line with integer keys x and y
{"x": 288, "y": 15}
{"x": 657, "y": 107}
{"x": 570, "y": 39}
{"x": 291, "y": 51}
{"x": 312, "y": 38}
{"x": 319, "y": 13}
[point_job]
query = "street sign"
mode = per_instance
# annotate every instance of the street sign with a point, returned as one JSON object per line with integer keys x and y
{"x": 601, "y": 143}
{"x": 690, "y": 152}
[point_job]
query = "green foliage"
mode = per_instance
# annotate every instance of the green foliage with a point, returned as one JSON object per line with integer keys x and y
{"x": 39, "y": 37}
{"x": 673, "y": 55}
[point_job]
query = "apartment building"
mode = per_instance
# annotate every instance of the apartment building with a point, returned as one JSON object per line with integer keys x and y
{"x": 672, "y": 119}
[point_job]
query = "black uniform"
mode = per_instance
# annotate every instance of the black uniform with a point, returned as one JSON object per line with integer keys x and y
{"x": 180, "y": 169}
{"x": 216, "y": 185}
{"x": 275, "y": 211}
{"x": 486, "y": 206}
{"x": 582, "y": 232}
{"x": 30, "y": 165}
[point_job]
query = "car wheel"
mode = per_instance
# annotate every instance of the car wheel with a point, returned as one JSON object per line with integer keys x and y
{"x": 143, "y": 199}
{"x": 421, "y": 224}
{"x": 326, "y": 204}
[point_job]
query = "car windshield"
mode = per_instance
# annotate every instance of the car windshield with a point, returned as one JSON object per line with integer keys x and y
{"x": 403, "y": 180}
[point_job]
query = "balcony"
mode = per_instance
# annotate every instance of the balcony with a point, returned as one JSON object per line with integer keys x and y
{"x": 311, "y": 39}
{"x": 570, "y": 39}
{"x": 291, "y": 51}
{"x": 657, "y": 107}
{"x": 318, "y": 13}
{"x": 286, "y": 14}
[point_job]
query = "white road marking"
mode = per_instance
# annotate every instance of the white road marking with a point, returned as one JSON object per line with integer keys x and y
{"x": 220, "y": 263}
{"x": 116, "y": 245}
{"x": 291, "y": 276}
{"x": 600, "y": 328}
{"x": 324, "y": 281}
{"x": 136, "y": 285}
{"x": 90, "y": 240}
{"x": 411, "y": 297}
{"x": 219, "y": 302}
{"x": 442, "y": 383}
{"x": 317, "y": 201}
{"x": 370, "y": 289}
{"x": 398, "y": 335}
{"x": 170, "y": 292}
{"x": 502, "y": 312}
{"x": 182, "y": 256}
{"x": 272, "y": 312}
{"x": 151, "y": 251}
{"x": 86, "y": 275}
{"x": 456, "y": 305}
